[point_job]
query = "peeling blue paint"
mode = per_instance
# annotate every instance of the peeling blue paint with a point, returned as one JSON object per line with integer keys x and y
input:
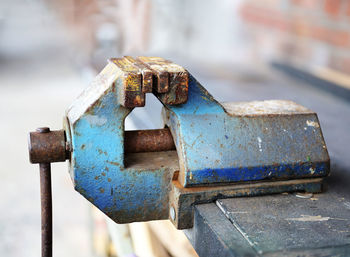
{"x": 223, "y": 148}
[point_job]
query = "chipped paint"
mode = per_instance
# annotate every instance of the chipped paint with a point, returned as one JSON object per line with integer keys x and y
{"x": 311, "y": 123}
{"x": 259, "y": 144}
{"x": 234, "y": 142}
{"x": 312, "y": 170}
{"x": 96, "y": 120}
{"x": 309, "y": 218}
{"x": 221, "y": 147}
{"x": 264, "y": 108}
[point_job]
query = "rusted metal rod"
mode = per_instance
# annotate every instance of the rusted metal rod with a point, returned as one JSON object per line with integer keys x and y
{"x": 46, "y": 209}
{"x": 153, "y": 140}
{"x": 50, "y": 146}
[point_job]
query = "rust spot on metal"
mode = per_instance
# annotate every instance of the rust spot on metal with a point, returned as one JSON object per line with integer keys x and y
{"x": 47, "y": 147}
{"x": 113, "y": 163}
{"x": 167, "y": 80}
{"x": 147, "y": 74}
{"x": 130, "y": 93}
{"x": 176, "y": 175}
{"x": 160, "y": 74}
{"x": 154, "y": 140}
{"x": 170, "y": 82}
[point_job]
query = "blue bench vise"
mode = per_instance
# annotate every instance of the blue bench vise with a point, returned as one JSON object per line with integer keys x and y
{"x": 207, "y": 150}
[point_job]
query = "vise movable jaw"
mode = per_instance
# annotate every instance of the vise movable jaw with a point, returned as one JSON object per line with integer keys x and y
{"x": 222, "y": 149}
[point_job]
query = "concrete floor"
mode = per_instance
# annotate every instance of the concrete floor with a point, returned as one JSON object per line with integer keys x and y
{"x": 37, "y": 84}
{"x": 34, "y": 95}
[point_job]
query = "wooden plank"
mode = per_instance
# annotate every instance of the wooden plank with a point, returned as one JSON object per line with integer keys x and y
{"x": 175, "y": 241}
{"x": 145, "y": 244}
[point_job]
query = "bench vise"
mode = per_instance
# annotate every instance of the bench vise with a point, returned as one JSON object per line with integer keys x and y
{"x": 207, "y": 150}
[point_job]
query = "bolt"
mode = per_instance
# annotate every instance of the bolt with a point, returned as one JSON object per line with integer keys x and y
{"x": 172, "y": 213}
{"x": 43, "y": 130}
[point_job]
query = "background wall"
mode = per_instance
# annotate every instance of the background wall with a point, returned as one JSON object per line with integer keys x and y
{"x": 304, "y": 32}
{"x": 300, "y": 32}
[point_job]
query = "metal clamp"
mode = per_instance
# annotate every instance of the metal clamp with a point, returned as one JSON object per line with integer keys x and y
{"x": 207, "y": 150}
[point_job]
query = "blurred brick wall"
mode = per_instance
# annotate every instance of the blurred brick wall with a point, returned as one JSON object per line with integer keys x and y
{"x": 305, "y": 32}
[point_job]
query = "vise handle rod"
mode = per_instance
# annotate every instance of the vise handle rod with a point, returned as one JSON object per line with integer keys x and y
{"x": 52, "y": 146}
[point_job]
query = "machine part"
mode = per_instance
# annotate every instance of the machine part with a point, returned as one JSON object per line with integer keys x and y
{"x": 244, "y": 141}
{"x": 152, "y": 140}
{"x": 186, "y": 198}
{"x": 39, "y": 142}
{"x": 174, "y": 92}
{"x": 46, "y": 209}
{"x": 47, "y": 146}
{"x": 222, "y": 150}
{"x": 136, "y": 141}
{"x": 276, "y": 146}
{"x": 167, "y": 80}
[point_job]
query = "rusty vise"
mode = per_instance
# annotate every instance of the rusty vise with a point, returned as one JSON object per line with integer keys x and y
{"x": 207, "y": 150}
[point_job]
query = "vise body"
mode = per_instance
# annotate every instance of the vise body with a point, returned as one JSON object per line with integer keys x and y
{"x": 207, "y": 150}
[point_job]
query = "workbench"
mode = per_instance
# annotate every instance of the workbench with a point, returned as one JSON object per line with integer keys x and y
{"x": 283, "y": 224}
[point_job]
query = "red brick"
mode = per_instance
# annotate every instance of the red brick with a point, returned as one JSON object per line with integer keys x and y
{"x": 332, "y": 7}
{"x": 300, "y": 26}
{"x": 265, "y": 17}
{"x": 347, "y": 8}
{"x": 341, "y": 64}
{"x": 310, "y": 4}
{"x": 331, "y": 36}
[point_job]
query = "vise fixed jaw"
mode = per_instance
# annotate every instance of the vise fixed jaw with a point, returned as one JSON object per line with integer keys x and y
{"x": 222, "y": 150}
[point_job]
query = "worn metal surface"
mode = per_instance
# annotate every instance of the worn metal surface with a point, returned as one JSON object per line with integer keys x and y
{"x": 212, "y": 234}
{"x": 319, "y": 219}
{"x": 52, "y": 146}
{"x": 152, "y": 140}
{"x": 214, "y": 145}
{"x": 167, "y": 80}
{"x": 130, "y": 89}
{"x": 276, "y": 225}
{"x": 171, "y": 80}
{"x": 46, "y": 209}
{"x": 46, "y": 147}
{"x": 244, "y": 141}
{"x": 215, "y": 234}
{"x": 95, "y": 129}
{"x": 183, "y": 199}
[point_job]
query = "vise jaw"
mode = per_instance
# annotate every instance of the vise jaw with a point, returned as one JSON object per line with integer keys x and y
{"x": 222, "y": 149}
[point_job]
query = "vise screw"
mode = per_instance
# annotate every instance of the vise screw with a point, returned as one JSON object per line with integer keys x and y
{"x": 206, "y": 150}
